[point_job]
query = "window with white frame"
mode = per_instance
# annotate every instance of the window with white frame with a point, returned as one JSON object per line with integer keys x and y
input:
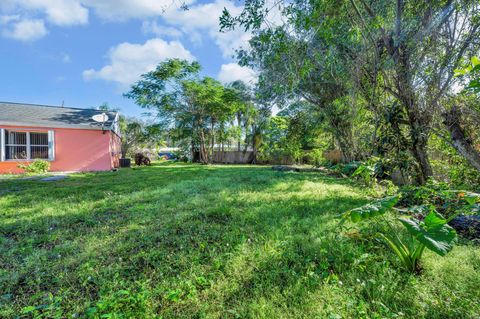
{"x": 15, "y": 145}
{"x": 26, "y": 145}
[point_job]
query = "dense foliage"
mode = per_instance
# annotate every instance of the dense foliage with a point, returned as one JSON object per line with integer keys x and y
{"x": 384, "y": 78}
{"x": 138, "y": 136}
{"x": 199, "y": 112}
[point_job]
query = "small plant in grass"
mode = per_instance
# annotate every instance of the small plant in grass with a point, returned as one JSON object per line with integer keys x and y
{"x": 366, "y": 173}
{"x": 317, "y": 158}
{"x": 432, "y": 232}
{"x": 371, "y": 170}
{"x": 35, "y": 167}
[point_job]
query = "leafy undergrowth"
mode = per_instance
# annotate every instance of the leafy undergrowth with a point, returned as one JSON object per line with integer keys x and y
{"x": 191, "y": 241}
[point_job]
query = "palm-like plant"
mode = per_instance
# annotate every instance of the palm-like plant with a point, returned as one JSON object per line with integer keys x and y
{"x": 432, "y": 232}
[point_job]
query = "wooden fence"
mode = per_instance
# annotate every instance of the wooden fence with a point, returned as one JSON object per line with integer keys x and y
{"x": 246, "y": 157}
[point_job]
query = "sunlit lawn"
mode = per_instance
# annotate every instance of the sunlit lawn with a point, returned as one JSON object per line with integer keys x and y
{"x": 191, "y": 241}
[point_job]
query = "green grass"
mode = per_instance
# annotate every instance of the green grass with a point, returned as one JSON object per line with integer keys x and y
{"x": 190, "y": 241}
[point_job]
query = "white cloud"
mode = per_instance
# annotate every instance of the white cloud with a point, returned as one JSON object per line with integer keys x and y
{"x": 152, "y": 27}
{"x": 205, "y": 17}
{"x": 231, "y": 72}
{"x": 26, "y": 30}
{"x": 131, "y": 9}
{"x": 198, "y": 21}
{"x": 6, "y": 19}
{"x": 25, "y": 19}
{"x": 58, "y": 12}
{"x": 70, "y": 12}
{"x": 128, "y": 61}
{"x": 63, "y": 12}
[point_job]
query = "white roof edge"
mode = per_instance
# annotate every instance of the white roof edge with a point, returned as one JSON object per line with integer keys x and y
{"x": 75, "y": 127}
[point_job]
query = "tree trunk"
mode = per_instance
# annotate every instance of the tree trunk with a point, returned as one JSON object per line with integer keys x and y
{"x": 419, "y": 120}
{"x": 239, "y": 123}
{"x": 213, "y": 140}
{"x": 346, "y": 149}
{"x": 256, "y": 142}
{"x": 223, "y": 152}
{"x": 419, "y": 133}
{"x": 460, "y": 141}
{"x": 203, "y": 150}
{"x": 425, "y": 171}
{"x": 344, "y": 137}
{"x": 193, "y": 150}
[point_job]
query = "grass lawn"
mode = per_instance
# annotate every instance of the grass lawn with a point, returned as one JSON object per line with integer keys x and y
{"x": 190, "y": 241}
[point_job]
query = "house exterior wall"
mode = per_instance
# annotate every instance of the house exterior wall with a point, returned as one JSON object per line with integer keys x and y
{"x": 74, "y": 150}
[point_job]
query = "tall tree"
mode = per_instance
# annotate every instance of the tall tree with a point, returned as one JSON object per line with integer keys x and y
{"x": 310, "y": 59}
{"x": 245, "y": 111}
{"x": 403, "y": 50}
{"x": 193, "y": 108}
{"x": 418, "y": 45}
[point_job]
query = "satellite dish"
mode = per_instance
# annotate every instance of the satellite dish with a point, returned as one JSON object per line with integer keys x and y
{"x": 100, "y": 118}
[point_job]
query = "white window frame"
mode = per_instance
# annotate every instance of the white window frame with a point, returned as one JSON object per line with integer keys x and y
{"x": 3, "y": 145}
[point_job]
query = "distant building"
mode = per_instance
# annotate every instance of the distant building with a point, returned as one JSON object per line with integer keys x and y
{"x": 67, "y": 137}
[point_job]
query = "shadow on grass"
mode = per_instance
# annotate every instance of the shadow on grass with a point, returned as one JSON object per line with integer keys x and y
{"x": 214, "y": 237}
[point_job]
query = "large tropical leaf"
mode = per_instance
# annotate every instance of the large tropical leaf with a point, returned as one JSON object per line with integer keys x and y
{"x": 471, "y": 198}
{"x": 371, "y": 210}
{"x": 433, "y": 232}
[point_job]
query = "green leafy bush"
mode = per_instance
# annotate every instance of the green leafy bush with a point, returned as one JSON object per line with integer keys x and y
{"x": 316, "y": 157}
{"x": 35, "y": 167}
{"x": 448, "y": 202}
{"x": 366, "y": 173}
{"x": 473, "y": 70}
{"x": 373, "y": 169}
{"x": 183, "y": 154}
{"x": 432, "y": 232}
{"x": 430, "y": 193}
{"x": 451, "y": 167}
{"x": 349, "y": 168}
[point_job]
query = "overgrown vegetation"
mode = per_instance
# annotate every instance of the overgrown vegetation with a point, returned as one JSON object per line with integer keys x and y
{"x": 396, "y": 80}
{"x": 35, "y": 167}
{"x": 185, "y": 240}
{"x": 432, "y": 232}
{"x": 197, "y": 111}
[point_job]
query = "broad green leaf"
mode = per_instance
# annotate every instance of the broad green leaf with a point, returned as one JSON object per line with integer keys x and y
{"x": 475, "y": 60}
{"x": 433, "y": 232}
{"x": 459, "y": 72}
{"x": 433, "y": 220}
{"x": 28, "y": 309}
{"x": 471, "y": 198}
{"x": 474, "y": 85}
{"x": 420, "y": 209}
{"x": 355, "y": 216}
{"x": 371, "y": 210}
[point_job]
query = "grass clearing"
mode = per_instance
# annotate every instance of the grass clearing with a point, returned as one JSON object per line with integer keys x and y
{"x": 191, "y": 241}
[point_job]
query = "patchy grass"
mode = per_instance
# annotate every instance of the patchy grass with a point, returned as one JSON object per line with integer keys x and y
{"x": 190, "y": 241}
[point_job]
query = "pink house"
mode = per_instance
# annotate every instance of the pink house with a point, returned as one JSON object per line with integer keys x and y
{"x": 69, "y": 138}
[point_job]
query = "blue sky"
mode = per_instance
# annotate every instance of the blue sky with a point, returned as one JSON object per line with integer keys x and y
{"x": 87, "y": 52}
